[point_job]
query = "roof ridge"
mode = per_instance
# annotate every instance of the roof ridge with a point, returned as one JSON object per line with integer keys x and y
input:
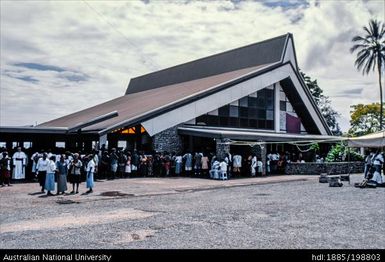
{"x": 217, "y": 54}
{"x": 228, "y": 60}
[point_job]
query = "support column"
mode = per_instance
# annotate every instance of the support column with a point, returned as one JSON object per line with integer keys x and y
{"x": 112, "y": 141}
{"x": 260, "y": 152}
{"x": 8, "y": 145}
{"x": 190, "y": 143}
{"x": 102, "y": 141}
{"x": 277, "y": 108}
{"x": 87, "y": 144}
{"x": 168, "y": 140}
{"x": 138, "y": 138}
{"x": 263, "y": 155}
{"x": 222, "y": 147}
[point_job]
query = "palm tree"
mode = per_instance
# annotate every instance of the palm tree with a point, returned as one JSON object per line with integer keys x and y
{"x": 371, "y": 53}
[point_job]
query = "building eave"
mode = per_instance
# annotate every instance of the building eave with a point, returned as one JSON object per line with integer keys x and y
{"x": 252, "y": 134}
{"x": 33, "y": 130}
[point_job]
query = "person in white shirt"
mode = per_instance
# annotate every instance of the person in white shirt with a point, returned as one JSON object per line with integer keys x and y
{"x": 35, "y": 157}
{"x": 378, "y": 161}
{"x": 41, "y": 170}
{"x": 96, "y": 160}
{"x": 178, "y": 164}
{"x": 259, "y": 167}
{"x": 214, "y": 169}
{"x": 223, "y": 169}
{"x": 75, "y": 172}
{"x": 50, "y": 176}
{"x": 90, "y": 173}
{"x": 253, "y": 165}
{"x": 19, "y": 163}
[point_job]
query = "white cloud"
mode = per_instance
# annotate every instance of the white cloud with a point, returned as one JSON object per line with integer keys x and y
{"x": 113, "y": 41}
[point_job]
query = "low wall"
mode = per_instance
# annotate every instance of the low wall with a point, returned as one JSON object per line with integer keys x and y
{"x": 312, "y": 168}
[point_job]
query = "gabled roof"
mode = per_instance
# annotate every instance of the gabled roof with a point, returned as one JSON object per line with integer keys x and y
{"x": 167, "y": 90}
{"x": 265, "y": 52}
{"x": 133, "y": 106}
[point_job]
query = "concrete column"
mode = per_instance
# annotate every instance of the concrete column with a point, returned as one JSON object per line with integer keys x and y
{"x": 263, "y": 155}
{"x": 222, "y": 147}
{"x": 260, "y": 151}
{"x": 276, "y": 108}
{"x": 8, "y": 145}
{"x": 102, "y": 141}
{"x": 190, "y": 144}
{"x": 112, "y": 141}
{"x": 88, "y": 145}
{"x": 138, "y": 137}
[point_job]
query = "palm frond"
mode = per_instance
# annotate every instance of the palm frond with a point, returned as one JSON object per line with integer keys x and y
{"x": 374, "y": 26}
{"x": 370, "y": 64}
{"x": 382, "y": 32}
{"x": 355, "y": 47}
{"x": 361, "y": 59}
{"x": 370, "y": 46}
{"x": 360, "y": 38}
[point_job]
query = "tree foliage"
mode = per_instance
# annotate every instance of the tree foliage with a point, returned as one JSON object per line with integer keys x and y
{"x": 365, "y": 119}
{"x": 340, "y": 153}
{"x": 324, "y": 104}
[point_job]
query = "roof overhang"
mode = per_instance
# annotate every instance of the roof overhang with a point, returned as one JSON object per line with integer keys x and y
{"x": 371, "y": 140}
{"x": 33, "y": 130}
{"x": 253, "y": 135}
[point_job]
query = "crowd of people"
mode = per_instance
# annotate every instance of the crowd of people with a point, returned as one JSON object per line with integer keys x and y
{"x": 63, "y": 166}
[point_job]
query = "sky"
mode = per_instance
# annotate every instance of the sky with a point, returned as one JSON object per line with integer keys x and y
{"x": 58, "y": 57}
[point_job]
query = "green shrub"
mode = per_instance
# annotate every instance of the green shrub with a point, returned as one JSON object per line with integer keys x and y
{"x": 340, "y": 152}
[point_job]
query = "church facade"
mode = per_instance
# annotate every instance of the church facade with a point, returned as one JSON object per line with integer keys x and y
{"x": 250, "y": 94}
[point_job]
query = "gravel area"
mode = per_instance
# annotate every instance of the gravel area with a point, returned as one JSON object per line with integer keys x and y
{"x": 272, "y": 214}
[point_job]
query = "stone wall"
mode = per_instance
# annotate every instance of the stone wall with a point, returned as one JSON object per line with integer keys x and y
{"x": 222, "y": 148}
{"x": 312, "y": 168}
{"x": 168, "y": 140}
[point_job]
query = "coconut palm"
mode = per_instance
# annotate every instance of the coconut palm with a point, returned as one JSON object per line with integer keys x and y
{"x": 371, "y": 53}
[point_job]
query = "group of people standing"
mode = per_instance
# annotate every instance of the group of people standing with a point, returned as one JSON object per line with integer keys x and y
{"x": 51, "y": 168}
{"x": 53, "y": 171}
{"x": 14, "y": 165}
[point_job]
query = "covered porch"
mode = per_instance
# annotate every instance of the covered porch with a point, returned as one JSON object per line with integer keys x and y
{"x": 247, "y": 141}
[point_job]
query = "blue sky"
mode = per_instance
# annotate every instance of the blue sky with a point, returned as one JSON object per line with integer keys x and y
{"x": 58, "y": 57}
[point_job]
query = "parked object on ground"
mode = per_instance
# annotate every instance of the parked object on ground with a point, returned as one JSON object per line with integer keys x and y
{"x": 335, "y": 181}
{"x": 323, "y": 178}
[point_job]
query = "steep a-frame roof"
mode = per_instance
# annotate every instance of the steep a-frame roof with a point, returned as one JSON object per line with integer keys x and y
{"x": 261, "y": 53}
{"x": 135, "y": 106}
{"x": 164, "y": 91}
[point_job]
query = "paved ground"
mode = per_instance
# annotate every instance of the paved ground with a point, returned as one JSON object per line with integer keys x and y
{"x": 274, "y": 212}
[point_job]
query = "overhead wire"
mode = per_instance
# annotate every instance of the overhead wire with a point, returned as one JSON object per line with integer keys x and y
{"x": 143, "y": 58}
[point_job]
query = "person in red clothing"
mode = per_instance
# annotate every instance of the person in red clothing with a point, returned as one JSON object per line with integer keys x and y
{"x": 5, "y": 168}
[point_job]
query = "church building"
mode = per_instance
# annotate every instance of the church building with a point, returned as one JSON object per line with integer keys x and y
{"x": 253, "y": 93}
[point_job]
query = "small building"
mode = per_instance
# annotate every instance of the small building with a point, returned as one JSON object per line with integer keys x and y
{"x": 252, "y": 93}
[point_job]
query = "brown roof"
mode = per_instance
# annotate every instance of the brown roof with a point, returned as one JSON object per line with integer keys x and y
{"x": 265, "y": 52}
{"x": 132, "y": 106}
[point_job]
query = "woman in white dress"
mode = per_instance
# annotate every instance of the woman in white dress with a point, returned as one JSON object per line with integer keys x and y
{"x": 50, "y": 177}
{"x": 90, "y": 174}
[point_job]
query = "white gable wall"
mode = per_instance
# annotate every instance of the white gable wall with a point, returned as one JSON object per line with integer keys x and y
{"x": 209, "y": 103}
{"x": 289, "y": 54}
